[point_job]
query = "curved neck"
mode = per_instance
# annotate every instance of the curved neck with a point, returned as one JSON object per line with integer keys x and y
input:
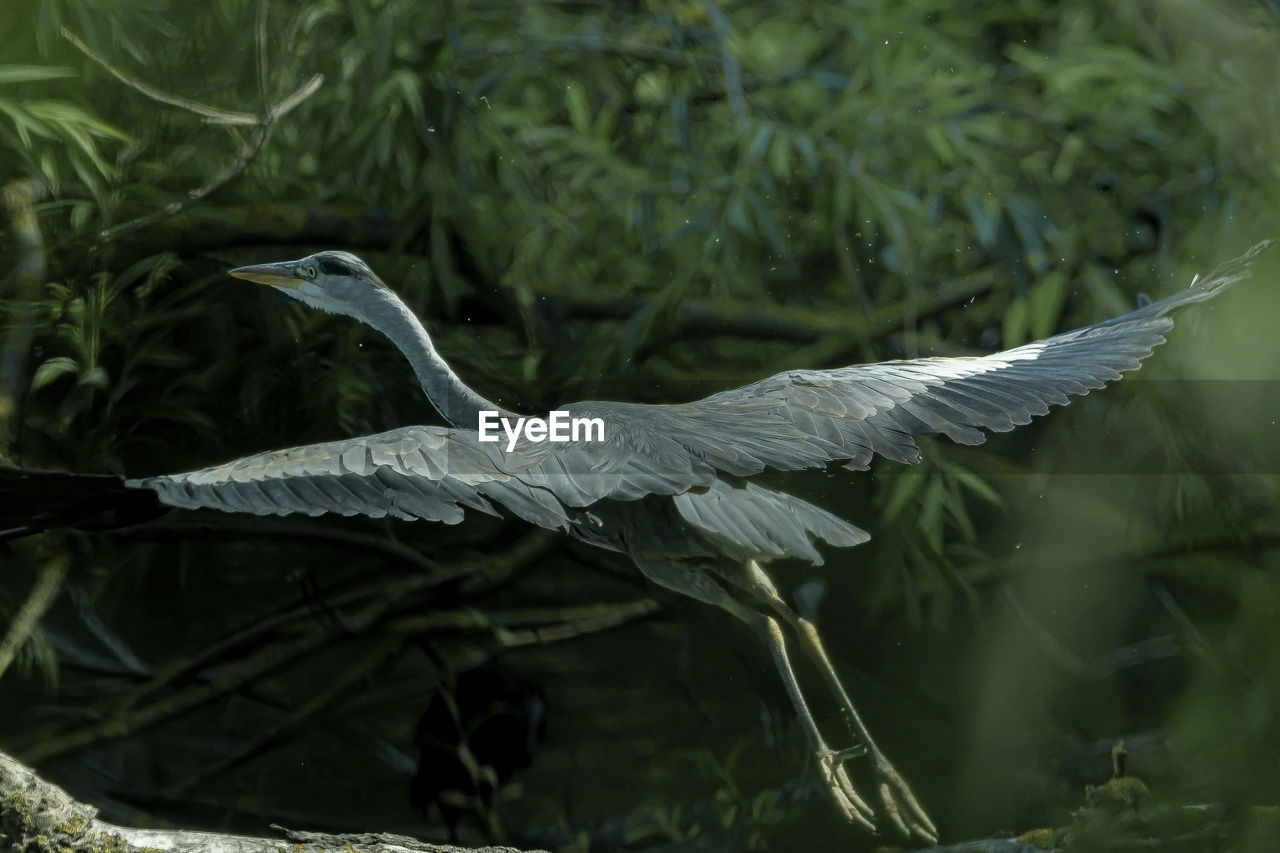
{"x": 457, "y": 403}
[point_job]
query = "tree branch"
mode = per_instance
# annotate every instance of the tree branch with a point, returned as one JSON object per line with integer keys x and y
{"x": 131, "y": 715}
{"x": 833, "y": 334}
{"x": 214, "y": 115}
{"x": 36, "y": 815}
{"x": 49, "y": 582}
{"x": 265, "y": 123}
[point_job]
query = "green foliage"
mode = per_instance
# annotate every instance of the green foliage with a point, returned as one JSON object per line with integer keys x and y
{"x": 926, "y": 532}
{"x": 733, "y": 817}
{"x": 52, "y": 138}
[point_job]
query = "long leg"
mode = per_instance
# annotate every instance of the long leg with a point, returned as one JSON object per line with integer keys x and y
{"x": 700, "y": 584}
{"x": 899, "y": 802}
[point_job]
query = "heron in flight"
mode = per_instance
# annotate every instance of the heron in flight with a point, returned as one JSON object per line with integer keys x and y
{"x": 669, "y": 485}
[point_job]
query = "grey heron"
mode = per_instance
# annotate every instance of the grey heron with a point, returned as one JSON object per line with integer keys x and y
{"x": 669, "y": 485}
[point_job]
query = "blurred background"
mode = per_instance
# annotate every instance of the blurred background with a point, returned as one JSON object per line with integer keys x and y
{"x": 644, "y": 201}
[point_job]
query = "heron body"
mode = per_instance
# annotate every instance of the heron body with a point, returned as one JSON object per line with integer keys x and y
{"x": 669, "y": 486}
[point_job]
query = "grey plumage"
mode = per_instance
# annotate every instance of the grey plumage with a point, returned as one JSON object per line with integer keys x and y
{"x": 667, "y": 486}
{"x": 794, "y": 420}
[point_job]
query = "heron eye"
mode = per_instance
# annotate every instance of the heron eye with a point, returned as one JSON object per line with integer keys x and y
{"x": 309, "y": 271}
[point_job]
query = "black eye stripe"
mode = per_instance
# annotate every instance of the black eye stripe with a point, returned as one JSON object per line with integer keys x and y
{"x": 330, "y": 266}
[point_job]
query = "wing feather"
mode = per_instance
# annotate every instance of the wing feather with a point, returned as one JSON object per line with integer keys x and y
{"x": 414, "y": 472}
{"x": 749, "y": 521}
{"x": 810, "y": 418}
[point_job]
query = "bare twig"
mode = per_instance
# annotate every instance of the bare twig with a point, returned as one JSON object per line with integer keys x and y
{"x": 572, "y": 46}
{"x": 332, "y": 690}
{"x": 531, "y": 626}
{"x": 211, "y": 114}
{"x": 513, "y": 628}
{"x": 832, "y": 336}
{"x": 428, "y": 576}
{"x": 43, "y": 745}
{"x": 261, "y": 37}
{"x": 265, "y": 123}
{"x": 230, "y": 171}
{"x": 286, "y": 106}
{"x": 49, "y": 581}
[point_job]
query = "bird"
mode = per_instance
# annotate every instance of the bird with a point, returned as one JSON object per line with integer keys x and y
{"x": 669, "y": 485}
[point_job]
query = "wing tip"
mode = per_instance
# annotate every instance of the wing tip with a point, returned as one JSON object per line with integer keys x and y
{"x": 1227, "y": 274}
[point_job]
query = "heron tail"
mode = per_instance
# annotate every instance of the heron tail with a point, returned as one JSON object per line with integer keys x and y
{"x": 32, "y": 501}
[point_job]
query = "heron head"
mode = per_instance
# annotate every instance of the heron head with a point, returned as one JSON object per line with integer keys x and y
{"x": 337, "y": 282}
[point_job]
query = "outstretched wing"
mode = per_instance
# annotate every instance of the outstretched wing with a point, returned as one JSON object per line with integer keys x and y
{"x": 431, "y": 473}
{"x": 436, "y": 474}
{"x": 809, "y": 418}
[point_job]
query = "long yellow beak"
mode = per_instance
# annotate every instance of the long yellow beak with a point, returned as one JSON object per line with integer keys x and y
{"x": 276, "y": 275}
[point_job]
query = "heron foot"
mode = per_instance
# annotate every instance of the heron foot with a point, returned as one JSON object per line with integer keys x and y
{"x": 900, "y": 804}
{"x": 846, "y": 796}
{"x": 897, "y": 800}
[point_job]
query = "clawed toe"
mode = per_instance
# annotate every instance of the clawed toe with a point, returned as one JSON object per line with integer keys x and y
{"x": 900, "y": 804}
{"x": 896, "y": 799}
{"x": 849, "y": 752}
{"x": 846, "y": 796}
{"x": 842, "y": 790}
